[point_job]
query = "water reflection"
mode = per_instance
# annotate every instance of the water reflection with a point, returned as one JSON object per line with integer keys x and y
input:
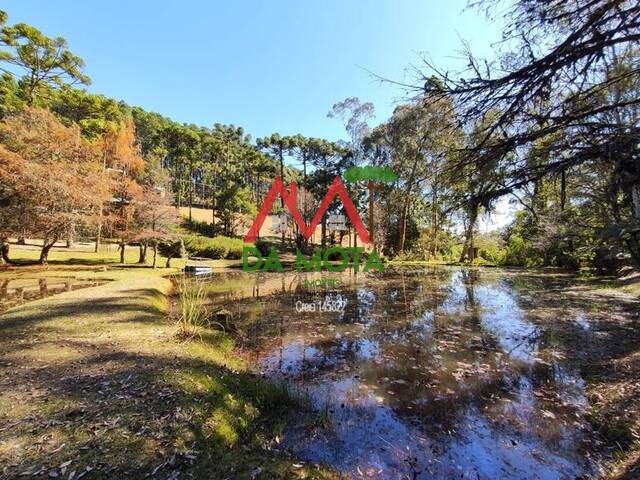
{"x": 15, "y": 292}
{"x": 435, "y": 372}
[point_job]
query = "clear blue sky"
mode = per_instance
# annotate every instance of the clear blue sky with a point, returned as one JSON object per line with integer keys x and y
{"x": 266, "y": 65}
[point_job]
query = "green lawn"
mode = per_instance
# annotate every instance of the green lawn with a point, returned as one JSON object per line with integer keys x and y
{"x": 96, "y": 381}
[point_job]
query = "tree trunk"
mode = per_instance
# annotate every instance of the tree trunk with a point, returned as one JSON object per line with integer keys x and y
{"x": 214, "y": 203}
{"x": 4, "y": 248}
{"x": 563, "y": 190}
{"x": 123, "y": 245}
{"x": 190, "y": 195}
{"x": 155, "y": 255}
{"x": 282, "y": 177}
{"x": 403, "y": 222}
{"x": 434, "y": 221}
{"x": 371, "y": 219}
{"x": 633, "y": 243}
{"x": 46, "y": 247}
{"x": 323, "y": 239}
{"x": 405, "y": 207}
{"x": 143, "y": 253}
{"x": 70, "y": 235}
{"x": 213, "y": 216}
{"x": 96, "y": 247}
{"x": 168, "y": 264}
{"x": 98, "y": 234}
{"x": 635, "y": 196}
{"x": 4, "y": 251}
{"x": 468, "y": 249}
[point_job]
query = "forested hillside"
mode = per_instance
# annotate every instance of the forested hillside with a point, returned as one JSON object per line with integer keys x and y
{"x": 555, "y": 134}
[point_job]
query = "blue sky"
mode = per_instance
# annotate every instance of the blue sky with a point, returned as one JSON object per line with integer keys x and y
{"x": 266, "y": 65}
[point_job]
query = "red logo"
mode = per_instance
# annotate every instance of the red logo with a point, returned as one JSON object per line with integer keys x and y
{"x": 290, "y": 200}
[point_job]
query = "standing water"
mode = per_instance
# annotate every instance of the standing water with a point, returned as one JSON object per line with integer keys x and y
{"x": 14, "y": 292}
{"x": 428, "y": 372}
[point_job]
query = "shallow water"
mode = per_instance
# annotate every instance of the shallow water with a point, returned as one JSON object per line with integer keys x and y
{"x": 14, "y": 292}
{"x": 428, "y": 372}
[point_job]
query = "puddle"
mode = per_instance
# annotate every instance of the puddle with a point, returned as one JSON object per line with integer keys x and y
{"x": 18, "y": 291}
{"x": 426, "y": 373}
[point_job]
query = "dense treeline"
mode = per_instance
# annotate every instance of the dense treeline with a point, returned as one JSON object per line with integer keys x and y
{"x": 558, "y": 130}
{"x": 556, "y": 133}
{"x": 74, "y": 162}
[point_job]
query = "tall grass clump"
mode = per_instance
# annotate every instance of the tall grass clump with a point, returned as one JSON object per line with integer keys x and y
{"x": 193, "y": 311}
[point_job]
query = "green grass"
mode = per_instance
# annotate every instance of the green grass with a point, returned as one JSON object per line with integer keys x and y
{"x": 98, "y": 377}
{"x": 108, "y": 255}
{"x": 84, "y": 255}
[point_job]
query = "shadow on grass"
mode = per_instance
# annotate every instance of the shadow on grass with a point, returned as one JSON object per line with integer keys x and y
{"x": 117, "y": 413}
{"x": 130, "y": 415}
{"x": 29, "y": 317}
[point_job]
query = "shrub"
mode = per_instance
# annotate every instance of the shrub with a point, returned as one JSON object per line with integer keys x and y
{"x": 235, "y": 247}
{"x": 263, "y": 247}
{"x": 172, "y": 249}
{"x": 518, "y": 252}
{"x": 200, "y": 228}
{"x": 214, "y": 248}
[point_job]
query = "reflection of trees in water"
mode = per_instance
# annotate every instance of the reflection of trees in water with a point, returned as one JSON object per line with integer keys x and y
{"x": 408, "y": 317}
{"x": 35, "y": 289}
{"x": 429, "y": 396}
{"x": 555, "y": 304}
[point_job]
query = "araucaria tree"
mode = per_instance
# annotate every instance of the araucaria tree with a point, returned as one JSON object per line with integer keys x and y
{"x": 41, "y": 62}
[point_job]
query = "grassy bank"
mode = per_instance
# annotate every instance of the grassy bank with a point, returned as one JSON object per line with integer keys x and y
{"x": 95, "y": 383}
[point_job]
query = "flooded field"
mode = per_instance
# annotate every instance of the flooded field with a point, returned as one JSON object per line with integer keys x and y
{"x": 18, "y": 291}
{"x": 432, "y": 372}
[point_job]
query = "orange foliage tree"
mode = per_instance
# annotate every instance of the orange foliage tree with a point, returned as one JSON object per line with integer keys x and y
{"x": 154, "y": 219}
{"x": 51, "y": 178}
{"x": 140, "y": 210}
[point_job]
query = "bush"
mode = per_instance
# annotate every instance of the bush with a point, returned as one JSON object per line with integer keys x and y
{"x": 518, "y": 252}
{"x": 214, "y": 248}
{"x": 263, "y": 247}
{"x": 205, "y": 229}
{"x": 415, "y": 255}
{"x": 172, "y": 249}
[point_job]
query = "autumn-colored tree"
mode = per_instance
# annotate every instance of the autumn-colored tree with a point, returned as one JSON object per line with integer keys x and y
{"x": 154, "y": 219}
{"x": 50, "y": 177}
{"x": 121, "y": 151}
{"x": 120, "y": 218}
{"x": 122, "y": 161}
{"x": 140, "y": 209}
{"x": 11, "y": 165}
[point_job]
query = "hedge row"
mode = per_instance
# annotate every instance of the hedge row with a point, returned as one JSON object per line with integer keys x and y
{"x": 214, "y": 248}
